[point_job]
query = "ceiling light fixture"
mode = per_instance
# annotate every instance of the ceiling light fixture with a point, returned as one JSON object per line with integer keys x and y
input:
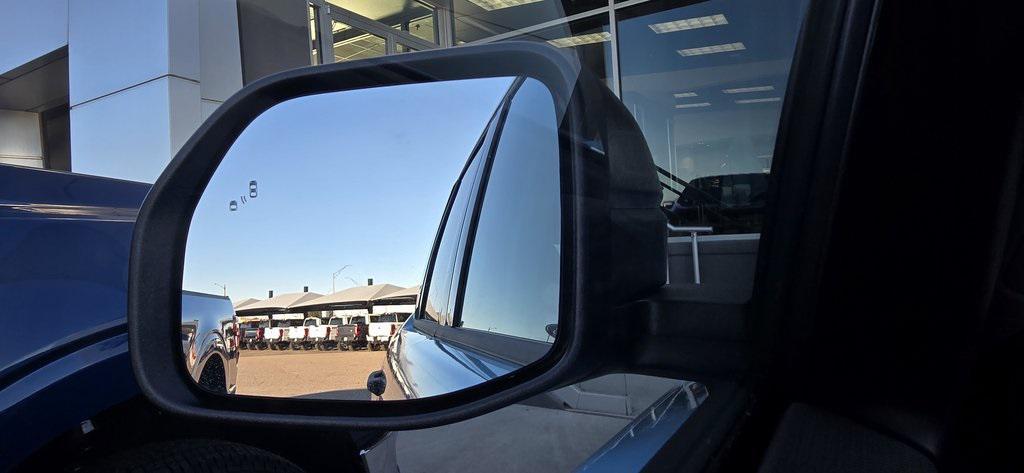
{"x": 491, "y": 5}
{"x": 684, "y": 94}
{"x": 693, "y": 105}
{"x": 580, "y": 40}
{"x": 689, "y": 23}
{"x": 717, "y": 48}
{"x": 743, "y": 90}
{"x": 767, "y": 99}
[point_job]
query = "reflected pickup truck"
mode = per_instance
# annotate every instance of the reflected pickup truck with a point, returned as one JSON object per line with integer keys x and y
{"x": 67, "y": 392}
{"x": 276, "y": 335}
{"x": 382, "y": 327}
{"x": 348, "y": 332}
{"x": 252, "y": 336}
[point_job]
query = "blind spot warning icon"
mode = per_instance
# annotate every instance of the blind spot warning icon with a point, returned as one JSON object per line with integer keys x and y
{"x": 252, "y": 189}
{"x": 233, "y": 205}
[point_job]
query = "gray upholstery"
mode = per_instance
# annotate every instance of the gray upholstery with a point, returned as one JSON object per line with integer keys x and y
{"x": 810, "y": 439}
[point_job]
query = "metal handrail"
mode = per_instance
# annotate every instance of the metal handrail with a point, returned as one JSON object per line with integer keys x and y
{"x": 693, "y": 231}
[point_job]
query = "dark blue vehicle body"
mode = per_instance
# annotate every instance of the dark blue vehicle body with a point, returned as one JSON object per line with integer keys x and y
{"x": 64, "y": 245}
{"x": 64, "y": 242}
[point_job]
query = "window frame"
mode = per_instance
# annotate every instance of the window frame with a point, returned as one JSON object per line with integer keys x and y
{"x": 504, "y": 346}
{"x": 481, "y": 150}
{"x": 392, "y": 37}
{"x": 464, "y": 258}
{"x": 445, "y": 226}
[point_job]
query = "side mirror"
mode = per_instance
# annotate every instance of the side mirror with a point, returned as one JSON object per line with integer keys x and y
{"x": 548, "y": 223}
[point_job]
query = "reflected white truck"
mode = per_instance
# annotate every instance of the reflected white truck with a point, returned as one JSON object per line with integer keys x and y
{"x": 382, "y": 327}
{"x": 277, "y": 334}
{"x": 317, "y": 333}
{"x": 297, "y": 335}
{"x": 347, "y": 332}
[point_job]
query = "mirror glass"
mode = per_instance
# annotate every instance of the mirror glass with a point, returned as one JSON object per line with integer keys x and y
{"x": 379, "y": 244}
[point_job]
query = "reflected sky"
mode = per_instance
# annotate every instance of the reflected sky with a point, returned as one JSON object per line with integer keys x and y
{"x": 354, "y": 178}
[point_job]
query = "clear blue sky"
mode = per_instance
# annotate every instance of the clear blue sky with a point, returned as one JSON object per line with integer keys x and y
{"x": 358, "y": 178}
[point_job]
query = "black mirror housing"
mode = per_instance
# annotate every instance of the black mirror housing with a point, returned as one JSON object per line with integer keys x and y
{"x": 613, "y": 239}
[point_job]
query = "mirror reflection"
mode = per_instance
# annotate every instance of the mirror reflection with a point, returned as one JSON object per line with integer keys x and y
{"x": 386, "y": 243}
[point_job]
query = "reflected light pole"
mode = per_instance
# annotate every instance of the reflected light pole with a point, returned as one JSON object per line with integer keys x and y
{"x": 222, "y": 286}
{"x": 335, "y": 276}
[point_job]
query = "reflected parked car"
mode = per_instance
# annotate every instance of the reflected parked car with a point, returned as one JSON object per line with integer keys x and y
{"x": 210, "y": 338}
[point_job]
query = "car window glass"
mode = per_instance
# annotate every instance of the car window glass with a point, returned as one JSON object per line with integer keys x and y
{"x": 438, "y": 290}
{"x": 512, "y": 283}
{"x": 712, "y": 118}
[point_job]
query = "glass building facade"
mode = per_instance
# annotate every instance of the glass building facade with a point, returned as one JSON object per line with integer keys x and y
{"x": 705, "y": 80}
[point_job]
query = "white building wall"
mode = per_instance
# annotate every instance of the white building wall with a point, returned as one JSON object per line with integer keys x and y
{"x": 20, "y": 140}
{"x": 136, "y": 71}
{"x": 28, "y": 30}
{"x": 220, "y": 60}
{"x": 133, "y": 134}
{"x": 118, "y": 44}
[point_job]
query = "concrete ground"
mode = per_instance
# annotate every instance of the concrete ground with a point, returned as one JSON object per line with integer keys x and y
{"x": 518, "y": 438}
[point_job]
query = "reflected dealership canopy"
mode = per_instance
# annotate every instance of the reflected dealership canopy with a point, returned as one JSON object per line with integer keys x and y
{"x": 407, "y": 295}
{"x": 244, "y": 302}
{"x": 348, "y": 298}
{"x": 281, "y": 303}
